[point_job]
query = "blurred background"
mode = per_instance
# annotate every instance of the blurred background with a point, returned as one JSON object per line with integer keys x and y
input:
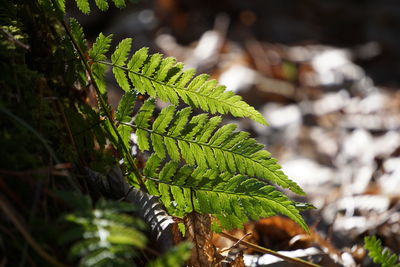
{"x": 325, "y": 74}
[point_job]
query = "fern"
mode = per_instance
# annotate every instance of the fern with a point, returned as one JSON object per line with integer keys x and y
{"x": 84, "y": 6}
{"x": 165, "y": 79}
{"x": 232, "y": 199}
{"x": 96, "y": 53}
{"x": 379, "y": 254}
{"x": 124, "y": 110}
{"x": 200, "y": 142}
{"x": 107, "y": 236}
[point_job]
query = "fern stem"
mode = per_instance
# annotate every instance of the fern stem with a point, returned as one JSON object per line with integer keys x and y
{"x": 269, "y": 251}
{"x": 103, "y": 104}
{"x": 248, "y": 114}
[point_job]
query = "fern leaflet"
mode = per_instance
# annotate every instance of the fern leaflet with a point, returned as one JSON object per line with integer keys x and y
{"x": 84, "y": 6}
{"x": 123, "y": 114}
{"x": 200, "y": 142}
{"x": 379, "y": 254}
{"x": 165, "y": 79}
{"x": 232, "y": 199}
{"x": 97, "y": 52}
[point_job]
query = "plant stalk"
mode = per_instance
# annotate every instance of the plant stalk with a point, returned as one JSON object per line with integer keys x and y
{"x": 269, "y": 251}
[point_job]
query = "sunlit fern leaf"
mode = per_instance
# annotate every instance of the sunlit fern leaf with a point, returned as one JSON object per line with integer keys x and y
{"x": 100, "y": 47}
{"x": 164, "y": 78}
{"x": 232, "y": 198}
{"x": 200, "y": 141}
{"x": 142, "y": 120}
{"x": 102, "y": 4}
{"x": 119, "y": 3}
{"x": 83, "y": 5}
{"x": 125, "y": 107}
{"x": 380, "y": 255}
{"x": 97, "y": 53}
{"x": 119, "y": 57}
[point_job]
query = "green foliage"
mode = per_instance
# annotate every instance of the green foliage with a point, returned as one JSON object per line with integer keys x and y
{"x": 123, "y": 114}
{"x": 232, "y": 199}
{"x": 97, "y": 53}
{"x": 84, "y": 5}
{"x": 164, "y": 78}
{"x": 201, "y": 142}
{"x": 380, "y": 255}
{"x": 106, "y": 235}
{"x": 175, "y": 257}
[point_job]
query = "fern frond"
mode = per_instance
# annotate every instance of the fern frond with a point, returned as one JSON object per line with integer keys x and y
{"x": 119, "y": 3}
{"x": 97, "y": 52}
{"x": 102, "y": 4}
{"x": 125, "y": 107}
{"x": 78, "y": 35}
{"x": 105, "y": 235}
{"x": 123, "y": 114}
{"x": 164, "y": 78}
{"x": 379, "y": 254}
{"x": 61, "y": 5}
{"x": 232, "y": 199}
{"x": 119, "y": 57}
{"x": 200, "y": 141}
{"x": 83, "y": 6}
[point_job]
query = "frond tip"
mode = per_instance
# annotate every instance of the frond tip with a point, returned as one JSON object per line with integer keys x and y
{"x": 165, "y": 79}
{"x": 201, "y": 142}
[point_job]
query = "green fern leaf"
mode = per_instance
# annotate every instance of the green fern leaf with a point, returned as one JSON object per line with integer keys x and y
{"x": 78, "y": 35}
{"x": 102, "y": 4}
{"x": 165, "y": 79}
{"x": 379, "y": 254}
{"x": 200, "y": 143}
{"x": 119, "y": 3}
{"x": 61, "y": 5}
{"x": 142, "y": 121}
{"x": 233, "y": 199}
{"x": 125, "y": 107}
{"x": 119, "y": 57}
{"x": 97, "y": 53}
{"x": 83, "y": 5}
{"x": 100, "y": 47}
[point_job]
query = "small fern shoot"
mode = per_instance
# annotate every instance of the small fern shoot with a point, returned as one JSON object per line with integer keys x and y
{"x": 380, "y": 255}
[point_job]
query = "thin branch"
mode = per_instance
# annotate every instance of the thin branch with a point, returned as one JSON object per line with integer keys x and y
{"x": 19, "y": 225}
{"x": 269, "y": 251}
{"x": 11, "y": 38}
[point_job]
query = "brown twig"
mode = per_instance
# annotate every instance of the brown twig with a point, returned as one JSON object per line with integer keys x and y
{"x": 269, "y": 251}
{"x": 11, "y": 38}
{"x": 8, "y": 211}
